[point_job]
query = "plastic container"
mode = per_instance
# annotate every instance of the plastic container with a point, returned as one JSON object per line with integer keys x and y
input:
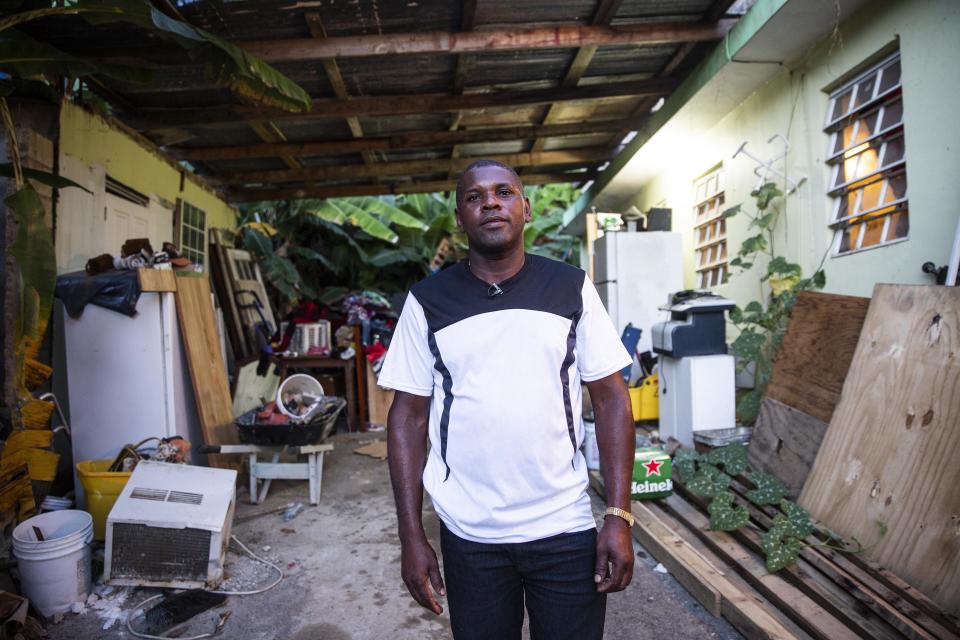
{"x": 297, "y": 383}
{"x": 644, "y": 399}
{"x": 102, "y": 489}
{"x": 591, "y": 451}
{"x": 54, "y": 503}
{"x": 55, "y": 572}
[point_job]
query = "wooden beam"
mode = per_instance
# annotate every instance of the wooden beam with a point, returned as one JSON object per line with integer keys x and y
{"x": 156, "y": 118}
{"x": 468, "y": 18}
{"x": 413, "y": 140}
{"x": 601, "y": 17}
{"x": 566, "y": 37}
{"x": 270, "y": 134}
{"x": 332, "y": 69}
{"x": 300, "y": 193}
{"x": 415, "y": 167}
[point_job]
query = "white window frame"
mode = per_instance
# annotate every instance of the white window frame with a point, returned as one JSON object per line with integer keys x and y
{"x": 198, "y": 257}
{"x": 709, "y": 191}
{"x": 885, "y": 137}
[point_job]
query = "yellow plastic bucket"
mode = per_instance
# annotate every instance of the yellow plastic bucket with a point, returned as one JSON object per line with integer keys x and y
{"x": 644, "y": 400}
{"x": 102, "y": 489}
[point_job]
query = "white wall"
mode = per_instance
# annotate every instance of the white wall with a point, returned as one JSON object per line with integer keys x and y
{"x": 794, "y": 104}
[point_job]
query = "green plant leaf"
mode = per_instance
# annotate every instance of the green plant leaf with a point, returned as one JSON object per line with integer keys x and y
{"x": 753, "y": 244}
{"x": 23, "y": 57}
{"x": 367, "y": 221}
{"x": 780, "y": 553}
{"x": 733, "y": 458}
{"x": 257, "y": 243}
{"x": 725, "y": 514}
{"x": 310, "y": 254}
{"x": 820, "y": 279}
{"x": 390, "y": 213}
{"x": 386, "y": 257}
{"x": 43, "y": 177}
{"x": 226, "y": 63}
{"x": 801, "y": 525}
{"x": 749, "y": 345}
{"x": 736, "y": 315}
{"x": 37, "y": 262}
{"x": 708, "y": 481}
{"x": 729, "y": 213}
{"x": 685, "y": 461}
{"x": 780, "y": 266}
{"x": 748, "y": 408}
{"x": 770, "y": 490}
{"x": 765, "y": 194}
{"x": 765, "y": 221}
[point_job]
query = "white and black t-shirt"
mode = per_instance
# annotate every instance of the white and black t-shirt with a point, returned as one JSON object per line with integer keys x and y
{"x": 504, "y": 373}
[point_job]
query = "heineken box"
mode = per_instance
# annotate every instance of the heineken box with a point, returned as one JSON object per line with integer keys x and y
{"x": 651, "y": 474}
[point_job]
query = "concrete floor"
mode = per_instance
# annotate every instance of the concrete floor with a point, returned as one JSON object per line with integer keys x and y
{"x": 341, "y": 561}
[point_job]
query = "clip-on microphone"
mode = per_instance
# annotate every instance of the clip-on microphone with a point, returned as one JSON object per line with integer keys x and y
{"x": 494, "y": 290}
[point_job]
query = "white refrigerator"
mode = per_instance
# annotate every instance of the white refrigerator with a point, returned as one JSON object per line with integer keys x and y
{"x": 634, "y": 272}
{"x": 126, "y": 378}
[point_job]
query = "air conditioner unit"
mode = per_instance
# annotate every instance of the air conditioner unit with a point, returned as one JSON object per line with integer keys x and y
{"x": 170, "y": 527}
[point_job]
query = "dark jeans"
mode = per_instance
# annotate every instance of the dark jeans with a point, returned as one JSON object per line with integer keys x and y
{"x": 488, "y": 583}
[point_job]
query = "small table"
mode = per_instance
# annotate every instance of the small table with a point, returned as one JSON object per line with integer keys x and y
{"x": 323, "y": 362}
{"x": 311, "y": 470}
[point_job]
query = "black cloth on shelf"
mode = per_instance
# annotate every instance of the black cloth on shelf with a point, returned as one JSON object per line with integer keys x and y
{"x": 115, "y": 290}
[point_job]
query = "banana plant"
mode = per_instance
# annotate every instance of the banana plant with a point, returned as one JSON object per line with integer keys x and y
{"x": 23, "y": 56}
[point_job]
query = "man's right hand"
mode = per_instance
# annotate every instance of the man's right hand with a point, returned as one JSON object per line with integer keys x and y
{"x": 420, "y": 571}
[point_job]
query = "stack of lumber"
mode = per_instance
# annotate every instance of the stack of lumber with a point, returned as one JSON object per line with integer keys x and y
{"x": 25, "y": 461}
{"x": 827, "y": 595}
{"x": 805, "y": 386}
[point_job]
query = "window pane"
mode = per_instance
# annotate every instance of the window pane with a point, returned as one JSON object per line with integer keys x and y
{"x": 873, "y": 230}
{"x": 840, "y": 105}
{"x": 896, "y": 187}
{"x": 870, "y": 196}
{"x": 865, "y": 89}
{"x": 893, "y": 152}
{"x": 844, "y": 203}
{"x": 890, "y": 77}
{"x": 892, "y": 115}
{"x": 899, "y": 225}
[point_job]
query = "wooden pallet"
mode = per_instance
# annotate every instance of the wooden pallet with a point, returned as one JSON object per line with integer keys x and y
{"x": 827, "y": 595}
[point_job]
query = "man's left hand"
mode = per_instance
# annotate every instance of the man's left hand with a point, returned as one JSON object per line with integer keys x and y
{"x": 614, "y": 567}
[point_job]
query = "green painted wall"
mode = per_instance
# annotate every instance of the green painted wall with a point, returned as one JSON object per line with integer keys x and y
{"x": 793, "y": 103}
{"x": 92, "y": 140}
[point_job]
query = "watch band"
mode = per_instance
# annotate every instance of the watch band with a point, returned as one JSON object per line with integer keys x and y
{"x": 621, "y": 513}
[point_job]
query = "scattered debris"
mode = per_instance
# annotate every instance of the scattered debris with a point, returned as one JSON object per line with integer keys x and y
{"x": 377, "y": 449}
{"x": 660, "y": 568}
{"x": 292, "y": 511}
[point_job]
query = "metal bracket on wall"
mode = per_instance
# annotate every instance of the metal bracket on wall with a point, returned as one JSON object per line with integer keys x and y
{"x": 765, "y": 167}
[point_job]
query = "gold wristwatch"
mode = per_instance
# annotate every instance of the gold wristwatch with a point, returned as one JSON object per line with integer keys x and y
{"x": 614, "y": 511}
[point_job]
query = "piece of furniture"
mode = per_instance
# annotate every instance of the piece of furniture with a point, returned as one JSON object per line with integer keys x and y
{"x": 348, "y": 367}
{"x": 311, "y": 470}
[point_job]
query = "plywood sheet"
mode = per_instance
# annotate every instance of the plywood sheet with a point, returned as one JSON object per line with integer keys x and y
{"x": 812, "y": 362}
{"x": 785, "y": 442}
{"x": 207, "y": 373}
{"x": 378, "y": 400}
{"x": 156, "y": 280}
{"x": 892, "y": 449}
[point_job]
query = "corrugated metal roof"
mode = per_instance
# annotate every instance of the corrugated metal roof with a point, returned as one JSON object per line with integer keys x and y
{"x": 185, "y": 109}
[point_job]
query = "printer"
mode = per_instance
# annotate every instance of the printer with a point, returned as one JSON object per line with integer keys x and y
{"x": 697, "y": 391}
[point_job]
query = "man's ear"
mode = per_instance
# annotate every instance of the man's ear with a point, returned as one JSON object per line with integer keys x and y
{"x": 456, "y": 216}
{"x": 527, "y": 213}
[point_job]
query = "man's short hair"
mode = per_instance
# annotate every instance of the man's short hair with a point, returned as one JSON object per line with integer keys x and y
{"x": 485, "y": 163}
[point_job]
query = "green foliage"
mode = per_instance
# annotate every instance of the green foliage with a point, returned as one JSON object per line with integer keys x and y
{"x": 726, "y": 514}
{"x": 383, "y": 244}
{"x": 685, "y": 461}
{"x": 709, "y": 481}
{"x": 732, "y": 457}
{"x": 226, "y": 63}
{"x": 790, "y": 527}
{"x": 770, "y": 490}
{"x": 762, "y": 325}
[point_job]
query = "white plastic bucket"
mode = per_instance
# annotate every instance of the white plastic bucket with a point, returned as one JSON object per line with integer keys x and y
{"x": 53, "y": 503}
{"x": 55, "y": 572}
{"x": 297, "y": 383}
{"x": 591, "y": 451}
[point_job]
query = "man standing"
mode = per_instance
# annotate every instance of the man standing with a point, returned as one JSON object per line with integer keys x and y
{"x": 487, "y": 361}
